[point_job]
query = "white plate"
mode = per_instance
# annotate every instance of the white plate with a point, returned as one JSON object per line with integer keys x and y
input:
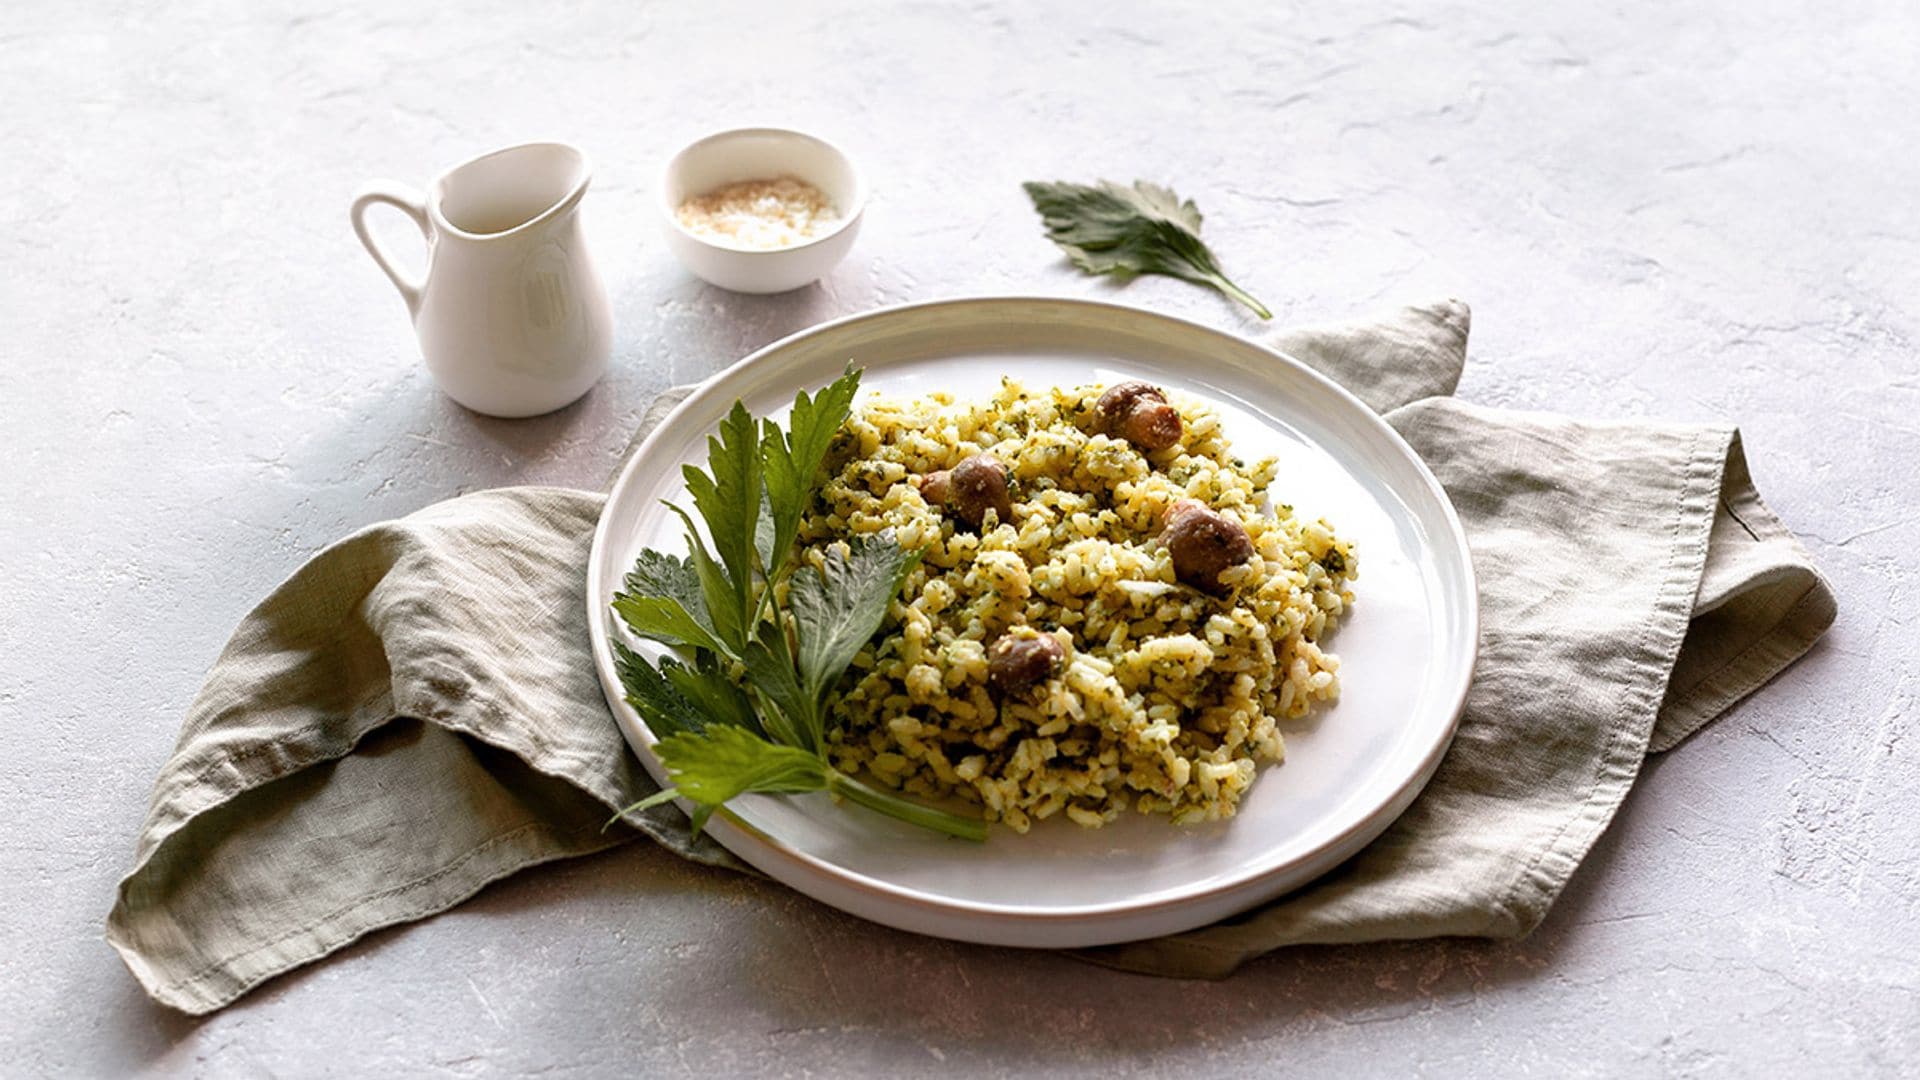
{"x": 1406, "y": 648}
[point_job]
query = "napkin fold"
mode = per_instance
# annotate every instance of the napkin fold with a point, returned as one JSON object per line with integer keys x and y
{"x": 415, "y": 712}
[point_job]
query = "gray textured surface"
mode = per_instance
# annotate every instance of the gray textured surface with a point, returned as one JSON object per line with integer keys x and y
{"x": 203, "y": 380}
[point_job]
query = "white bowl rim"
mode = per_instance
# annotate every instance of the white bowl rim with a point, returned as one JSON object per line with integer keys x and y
{"x": 848, "y": 216}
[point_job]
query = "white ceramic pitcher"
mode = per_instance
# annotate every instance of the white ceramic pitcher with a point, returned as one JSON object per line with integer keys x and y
{"x": 512, "y": 317}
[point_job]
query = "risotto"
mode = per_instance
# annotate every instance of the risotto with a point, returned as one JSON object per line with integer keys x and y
{"x": 1058, "y": 651}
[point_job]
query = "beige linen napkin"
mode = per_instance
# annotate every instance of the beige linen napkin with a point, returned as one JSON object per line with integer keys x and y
{"x": 415, "y": 713}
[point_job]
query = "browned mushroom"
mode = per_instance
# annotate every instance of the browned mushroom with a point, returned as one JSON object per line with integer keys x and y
{"x": 1022, "y": 659}
{"x": 977, "y": 485}
{"x": 1138, "y": 412}
{"x": 1202, "y": 543}
{"x": 936, "y": 487}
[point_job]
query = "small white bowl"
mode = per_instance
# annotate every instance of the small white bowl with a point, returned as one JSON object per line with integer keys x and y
{"x": 762, "y": 154}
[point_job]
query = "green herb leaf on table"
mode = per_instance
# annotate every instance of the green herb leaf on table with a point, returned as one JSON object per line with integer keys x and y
{"x": 1106, "y": 228}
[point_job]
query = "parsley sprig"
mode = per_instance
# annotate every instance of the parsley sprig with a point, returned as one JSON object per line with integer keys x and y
{"x": 742, "y": 704}
{"x": 1144, "y": 229}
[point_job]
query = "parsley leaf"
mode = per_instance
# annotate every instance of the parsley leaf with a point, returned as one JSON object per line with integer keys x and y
{"x": 708, "y": 687}
{"x": 663, "y": 601}
{"x": 763, "y": 536}
{"x": 840, "y": 605}
{"x": 769, "y": 663}
{"x": 1143, "y": 229}
{"x": 728, "y": 498}
{"x": 656, "y": 573}
{"x": 673, "y": 697}
{"x": 711, "y": 768}
{"x": 665, "y": 709}
{"x": 793, "y": 458}
{"x": 663, "y": 619}
{"x": 724, "y": 610}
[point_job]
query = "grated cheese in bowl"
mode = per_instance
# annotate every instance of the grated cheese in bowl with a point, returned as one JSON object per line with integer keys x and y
{"x": 761, "y": 215}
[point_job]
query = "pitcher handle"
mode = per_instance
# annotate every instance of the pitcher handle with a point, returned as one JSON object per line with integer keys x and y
{"x": 409, "y": 201}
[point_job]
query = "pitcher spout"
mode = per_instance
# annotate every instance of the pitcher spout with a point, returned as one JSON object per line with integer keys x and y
{"x": 511, "y": 193}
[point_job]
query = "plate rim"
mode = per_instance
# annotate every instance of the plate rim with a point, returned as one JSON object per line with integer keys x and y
{"x": 728, "y": 829}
